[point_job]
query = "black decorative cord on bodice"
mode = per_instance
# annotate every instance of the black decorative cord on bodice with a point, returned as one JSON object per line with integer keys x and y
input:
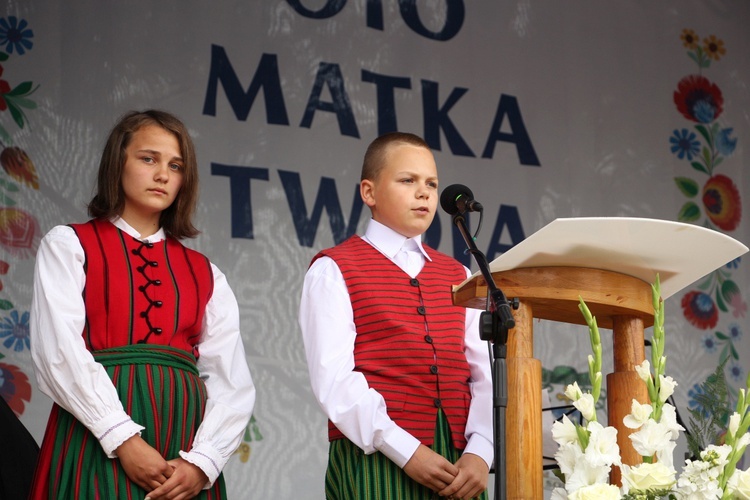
{"x": 144, "y": 288}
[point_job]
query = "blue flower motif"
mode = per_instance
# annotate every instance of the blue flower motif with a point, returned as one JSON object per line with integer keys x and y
{"x": 693, "y": 403}
{"x": 704, "y": 111}
{"x": 14, "y": 35}
{"x": 684, "y": 143}
{"x": 16, "y": 329}
{"x": 736, "y": 372}
{"x": 709, "y": 343}
{"x": 735, "y": 332}
{"x": 734, "y": 264}
{"x": 724, "y": 143}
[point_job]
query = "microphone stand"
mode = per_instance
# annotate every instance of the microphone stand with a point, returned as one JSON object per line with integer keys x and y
{"x": 495, "y": 323}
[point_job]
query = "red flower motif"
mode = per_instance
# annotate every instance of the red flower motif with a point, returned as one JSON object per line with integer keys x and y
{"x": 4, "y": 89}
{"x": 14, "y": 387}
{"x": 698, "y": 99}
{"x": 700, "y": 310}
{"x": 19, "y": 232}
{"x": 18, "y": 165}
{"x": 722, "y": 202}
{"x": 4, "y": 266}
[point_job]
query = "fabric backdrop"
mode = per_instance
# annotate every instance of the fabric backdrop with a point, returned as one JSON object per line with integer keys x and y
{"x": 545, "y": 109}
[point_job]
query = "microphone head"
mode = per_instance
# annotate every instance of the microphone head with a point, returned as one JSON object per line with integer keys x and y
{"x": 450, "y": 196}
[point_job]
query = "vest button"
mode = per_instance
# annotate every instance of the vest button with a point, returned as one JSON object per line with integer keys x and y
{"x": 428, "y": 339}
{"x": 438, "y": 403}
{"x": 421, "y": 310}
{"x": 433, "y": 369}
{"x": 414, "y": 282}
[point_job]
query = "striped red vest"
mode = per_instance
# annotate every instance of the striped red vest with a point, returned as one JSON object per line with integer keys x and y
{"x": 136, "y": 292}
{"x": 410, "y": 337}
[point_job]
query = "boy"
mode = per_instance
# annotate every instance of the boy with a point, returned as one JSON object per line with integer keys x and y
{"x": 400, "y": 372}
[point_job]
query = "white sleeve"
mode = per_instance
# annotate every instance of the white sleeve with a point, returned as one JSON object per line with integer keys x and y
{"x": 231, "y": 392}
{"x": 328, "y": 332}
{"x": 65, "y": 370}
{"x": 479, "y": 430}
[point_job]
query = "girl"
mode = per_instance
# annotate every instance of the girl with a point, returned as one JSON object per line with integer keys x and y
{"x": 136, "y": 337}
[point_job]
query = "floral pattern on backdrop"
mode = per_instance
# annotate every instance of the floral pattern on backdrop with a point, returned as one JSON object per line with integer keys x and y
{"x": 715, "y": 303}
{"x": 19, "y": 229}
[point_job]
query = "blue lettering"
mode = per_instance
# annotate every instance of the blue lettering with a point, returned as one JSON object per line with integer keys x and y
{"x": 330, "y": 74}
{"x": 507, "y": 216}
{"x": 508, "y": 105}
{"x": 454, "y": 19}
{"x": 239, "y": 189}
{"x": 266, "y": 76}
{"x": 330, "y": 9}
{"x": 327, "y": 198}
{"x": 436, "y": 118}
{"x": 385, "y": 86}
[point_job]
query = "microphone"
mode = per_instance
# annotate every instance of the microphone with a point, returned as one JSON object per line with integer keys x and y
{"x": 458, "y": 198}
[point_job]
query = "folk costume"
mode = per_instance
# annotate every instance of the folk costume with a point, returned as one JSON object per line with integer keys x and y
{"x": 392, "y": 362}
{"x": 133, "y": 335}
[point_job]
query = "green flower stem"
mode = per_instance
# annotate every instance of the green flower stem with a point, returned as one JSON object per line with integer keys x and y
{"x": 658, "y": 360}
{"x": 595, "y": 360}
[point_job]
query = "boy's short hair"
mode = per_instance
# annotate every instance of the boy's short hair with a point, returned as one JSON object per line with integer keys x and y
{"x": 374, "y": 160}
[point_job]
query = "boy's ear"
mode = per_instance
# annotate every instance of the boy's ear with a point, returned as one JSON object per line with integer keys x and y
{"x": 367, "y": 192}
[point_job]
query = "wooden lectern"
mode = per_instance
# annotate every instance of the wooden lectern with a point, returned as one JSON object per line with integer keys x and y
{"x": 610, "y": 263}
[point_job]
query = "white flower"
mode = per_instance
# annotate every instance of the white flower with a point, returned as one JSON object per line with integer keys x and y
{"x": 573, "y": 391}
{"x": 602, "y": 448}
{"x": 585, "y": 404}
{"x": 666, "y": 387}
{"x": 598, "y": 491}
{"x": 564, "y": 431}
{"x": 739, "y": 484}
{"x": 743, "y": 441}
{"x": 699, "y": 481}
{"x": 586, "y": 474}
{"x": 666, "y": 454}
{"x": 734, "y": 424}
{"x": 644, "y": 371}
{"x": 638, "y": 415}
{"x": 716, "y": 455}
{"x": 647, "y": 476}
{"x": 567, "y": 456}
{"x": 669, "y": 420}
{"x": 650, "y": 438}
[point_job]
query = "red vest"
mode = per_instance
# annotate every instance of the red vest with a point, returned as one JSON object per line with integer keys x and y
{"x": 410, "y": 337}
{"x": 136, "y": 292}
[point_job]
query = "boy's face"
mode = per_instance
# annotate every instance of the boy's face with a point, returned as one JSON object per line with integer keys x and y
{"x": 404, "y": 195}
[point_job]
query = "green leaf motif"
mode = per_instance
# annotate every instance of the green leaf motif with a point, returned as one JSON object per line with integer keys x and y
{"x": 720, "y": 302}
{"x": 704, "y": 132}
{"x": 689, "y": 212}
{"x": 6, "y": 200}
{"x": 6, "y": 305}
{"x": 729, "y": 289}
{"x": 21, "y": 89}
{"x": 699, "y": 167}
{"x": 722, "y": 336}
{"x": 735, "y": 354}
{"x": 688, "y": 186}
{"x": 9, "y": 186}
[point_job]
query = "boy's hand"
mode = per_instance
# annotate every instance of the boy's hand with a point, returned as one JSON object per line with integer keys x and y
{"x": 186, "y": 481}
{"x": 142, "y": 463}
{"x": 471, "y": 479}
{"x": 430, "y": 469}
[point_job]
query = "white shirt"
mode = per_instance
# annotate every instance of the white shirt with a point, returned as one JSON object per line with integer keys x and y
{"x": 66, "y": 370}
{"x": 328, "y": 331}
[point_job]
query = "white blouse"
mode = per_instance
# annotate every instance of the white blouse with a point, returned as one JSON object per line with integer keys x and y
{"x": 328, "y": 331}
{"x": 67, "y": 372}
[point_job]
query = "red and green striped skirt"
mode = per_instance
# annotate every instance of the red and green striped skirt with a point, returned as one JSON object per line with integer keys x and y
{"x": 353, "y": 474}
{"x": 160, "y": 389}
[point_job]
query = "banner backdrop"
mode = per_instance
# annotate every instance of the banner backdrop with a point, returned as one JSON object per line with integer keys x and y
{"x": 545, "y": 109}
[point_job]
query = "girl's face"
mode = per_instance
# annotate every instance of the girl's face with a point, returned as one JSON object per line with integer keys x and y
{"x": 152, "y": 175}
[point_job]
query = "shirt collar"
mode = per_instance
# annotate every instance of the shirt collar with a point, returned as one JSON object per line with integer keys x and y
{"x": 120, "y": 223}
{"x": 389, "y": 242}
